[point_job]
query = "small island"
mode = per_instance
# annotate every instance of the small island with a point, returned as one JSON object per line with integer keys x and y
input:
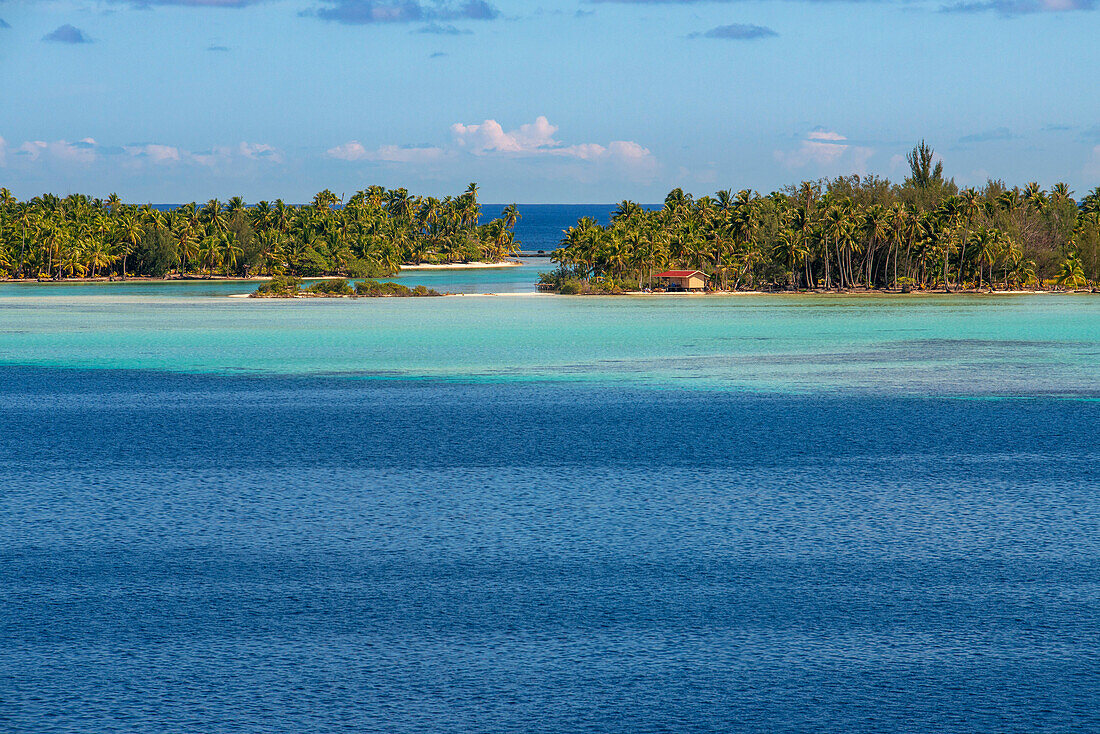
{"x": 282, "y": 286}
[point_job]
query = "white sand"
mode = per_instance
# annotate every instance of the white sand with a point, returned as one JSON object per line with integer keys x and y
{"x": 499, "y": 295}
{"x": 461, "y": 266}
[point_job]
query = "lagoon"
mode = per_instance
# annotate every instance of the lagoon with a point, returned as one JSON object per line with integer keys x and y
{"x": 929, "y": 345}
{"x": 541, "y": 513}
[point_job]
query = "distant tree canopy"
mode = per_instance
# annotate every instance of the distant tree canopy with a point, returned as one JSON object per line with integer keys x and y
{"x": 851, "y": 231}
{"x": 922, "y": 173}
{"x": 371, "y": 234}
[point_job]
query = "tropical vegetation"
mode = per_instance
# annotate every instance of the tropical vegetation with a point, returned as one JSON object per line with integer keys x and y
{"x": 849, "y": 232}
{"x": 373, "y": 233}
{"x": 283, "y": 286}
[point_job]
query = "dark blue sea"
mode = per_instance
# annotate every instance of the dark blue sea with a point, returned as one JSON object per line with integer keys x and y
{"x": 542, "y": 226}
{"x": 184, "y": 553}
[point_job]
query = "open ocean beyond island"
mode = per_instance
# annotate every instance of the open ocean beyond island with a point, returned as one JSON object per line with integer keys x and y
{"x": 548, "y": 514}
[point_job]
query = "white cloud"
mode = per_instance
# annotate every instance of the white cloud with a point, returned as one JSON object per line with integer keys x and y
{"x": 3, "y": 151}
{"x": 355, "y": 151}
{"x": 87, "y": 151}
{"x": 489, "y": 139}
{"x": 260, "y": 151}
{"x": 82, "y": 151}
{"x": 350, "y": 151}
{"x": 826, "y": 150}
{"x": 163, "y": 154}
{"x": 537, "y": 138}
{"x": 226, "y": 155}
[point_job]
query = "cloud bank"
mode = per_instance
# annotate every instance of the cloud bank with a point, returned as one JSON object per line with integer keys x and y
{"x": 826, "y": 151}
{"x": 488, "y": 140}
{"x": 87, "y": 151}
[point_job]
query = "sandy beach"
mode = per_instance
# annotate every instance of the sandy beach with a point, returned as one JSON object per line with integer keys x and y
{"x": 462, "y": 266}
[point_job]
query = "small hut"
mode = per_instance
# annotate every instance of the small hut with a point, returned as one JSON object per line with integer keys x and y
{"x": 684, "y": 280}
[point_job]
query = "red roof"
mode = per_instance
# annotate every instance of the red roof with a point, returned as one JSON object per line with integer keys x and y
{"x": 679, "y": 273}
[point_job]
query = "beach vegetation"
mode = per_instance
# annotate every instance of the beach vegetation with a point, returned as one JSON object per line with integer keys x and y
{"x": 285, "y": 286}
{"x": 1071, "y": 274}
{"x": 369, "y": 235}
{"x": 847, "y": 233}
{"x": 280, "y": 286}
{"x": 376, "y": 289}
{"x": 332, "y": 287}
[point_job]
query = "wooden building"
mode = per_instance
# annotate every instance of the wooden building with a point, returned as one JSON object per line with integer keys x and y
{"x": 684, "y": 280}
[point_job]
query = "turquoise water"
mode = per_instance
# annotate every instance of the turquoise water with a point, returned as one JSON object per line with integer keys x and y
{"x": 997, "y": 345}
{"x": 547, "y": 514}
{"x": 520, "y": 279}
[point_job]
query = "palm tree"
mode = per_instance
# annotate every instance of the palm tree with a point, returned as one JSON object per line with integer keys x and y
{"x": 209, "y": 253}
{"x": 230, "y": 251}
{"x": 98, "y": 256}
{"x": 1071, "y": 274}
{"x": 129, "y": 234}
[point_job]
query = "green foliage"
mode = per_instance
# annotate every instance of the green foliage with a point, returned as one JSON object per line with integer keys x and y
{"x": 571, "y": 287}
{"x": 376, "y": 289}
{"x": 369, "y": 235}
{"x": 556, "y": 278}
{"x": 332, "y": 287}
{"x": 565, "y": 282}
{"x": 847, "y": 232}
{"x": 923, "y": 174}
{"x": 155, "y": 253}
{"x": 1071, "y": 274}
{"x": 359, "y": 268}
{"x": 611, "y": 286}
{"x": 280, "y": 285}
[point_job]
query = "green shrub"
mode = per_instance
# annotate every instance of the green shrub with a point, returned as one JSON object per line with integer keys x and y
{"x": 556, "y": 278}
{"x": 571, "y": 288}
{"x": 280, "y": 285}
{"x": 375, "y": 289}
{"x": 372, "y": 288}
{"x": 606, "y": 285}
{"x": 332, "y": 287}
{"x": 359, "y": 268}
{"x": 310, "y": 263}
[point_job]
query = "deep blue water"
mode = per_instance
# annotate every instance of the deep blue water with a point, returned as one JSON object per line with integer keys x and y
{"x": 541, "y": 226}
{"x": 221, "y": 554}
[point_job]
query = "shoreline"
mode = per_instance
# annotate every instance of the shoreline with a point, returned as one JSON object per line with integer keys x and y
{"x": 476, "y": 265}
{"x": 715, "y": 294}
{"x": 151, "y": 279}
{"x": 849, "y": 293}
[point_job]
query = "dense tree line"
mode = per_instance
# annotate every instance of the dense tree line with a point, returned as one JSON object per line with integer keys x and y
{"x": 373, "y": 233}
{"x": 849, "y": 232}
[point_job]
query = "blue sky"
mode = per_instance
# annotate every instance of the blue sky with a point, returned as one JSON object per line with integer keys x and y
{"x": 174, "y": 100}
